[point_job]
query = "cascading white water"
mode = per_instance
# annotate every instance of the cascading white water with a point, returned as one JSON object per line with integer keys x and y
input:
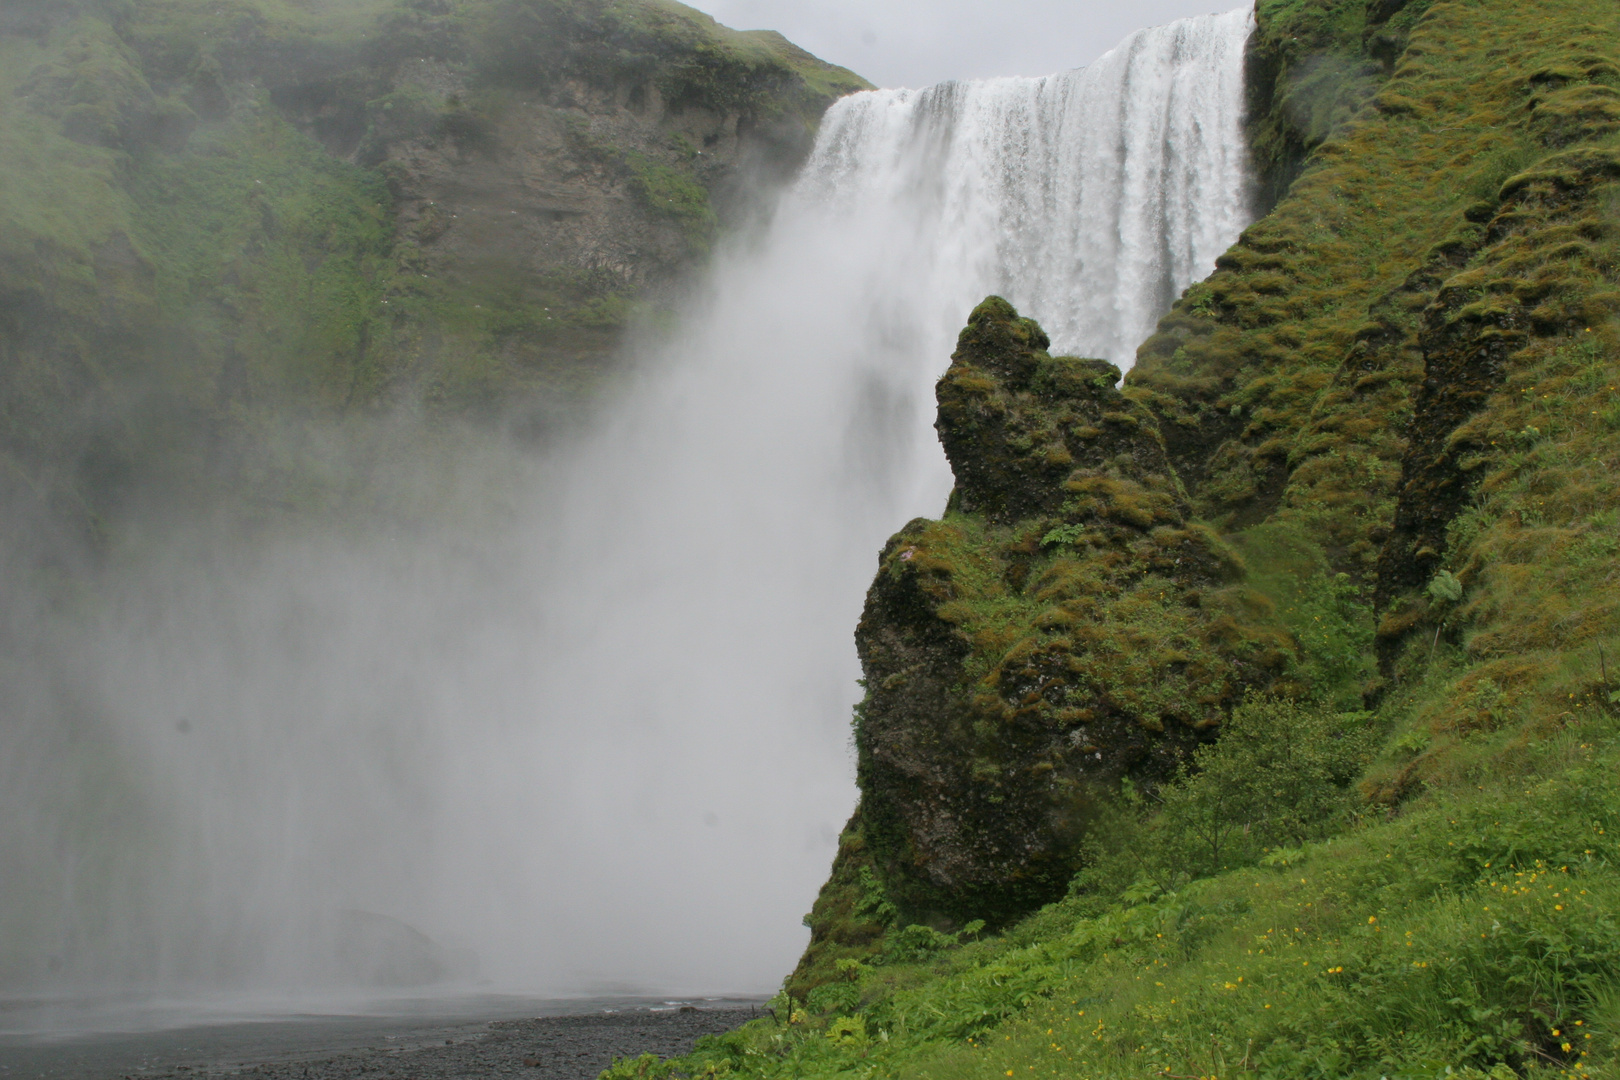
{"x": 600, "y": 739}
{"x": 1091, "y": 198}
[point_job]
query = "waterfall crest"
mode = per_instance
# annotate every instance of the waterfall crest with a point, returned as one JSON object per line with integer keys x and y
{"x": 599, "y": 739}
{"x": 1091, "y": 198}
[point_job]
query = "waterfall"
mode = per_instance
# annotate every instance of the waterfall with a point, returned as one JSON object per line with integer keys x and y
{"x": 599, "y": 739}
{"x": 1090, "y": 199}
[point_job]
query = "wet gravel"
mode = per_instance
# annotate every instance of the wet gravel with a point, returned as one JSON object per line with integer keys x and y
{"x": 549, "y": 1048}
{"x": 568, "y": 1047}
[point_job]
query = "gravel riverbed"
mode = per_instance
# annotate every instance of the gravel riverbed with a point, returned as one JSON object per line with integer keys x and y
{"x": 566, "y": 1047}
{"x": 549, "y": 1048}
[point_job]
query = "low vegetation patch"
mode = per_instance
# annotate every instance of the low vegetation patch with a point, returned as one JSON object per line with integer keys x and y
{"x": 1474, "y": 934}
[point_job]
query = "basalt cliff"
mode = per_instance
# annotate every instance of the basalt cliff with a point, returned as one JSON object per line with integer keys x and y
{"x": 221, "y": 215}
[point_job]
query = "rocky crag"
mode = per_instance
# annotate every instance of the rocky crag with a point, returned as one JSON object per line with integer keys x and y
{"x": 218, "y": 215}
{"x": 1359, "y": 467}
{"x": 1064, "y": 625}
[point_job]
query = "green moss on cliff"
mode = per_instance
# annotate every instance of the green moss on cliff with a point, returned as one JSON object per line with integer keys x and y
{"x": 1396, "y": 400}
{"x": 676, "y": 195}
{"x": 1286, "y": 379}
{"x": 1065, "y": 625}
{"x": 263, "y": 244}
{"x": 1360, "y": 369}
{"x": 150, "y": 294}
{"x": 1311, "y": 66}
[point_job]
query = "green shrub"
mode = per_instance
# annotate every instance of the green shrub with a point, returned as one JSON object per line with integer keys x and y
{"x": 1280, "y": 775}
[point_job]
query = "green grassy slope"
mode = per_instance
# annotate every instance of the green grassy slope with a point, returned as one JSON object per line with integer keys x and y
{"x": 1477, "y": 931}
{"x": 1395, "y": 403}
{"x": 1358, "y": 376}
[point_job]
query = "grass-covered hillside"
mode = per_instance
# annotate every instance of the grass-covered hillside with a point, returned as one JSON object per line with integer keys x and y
{"x": 222, "y": 216}
{"x": 1262, "y": 717}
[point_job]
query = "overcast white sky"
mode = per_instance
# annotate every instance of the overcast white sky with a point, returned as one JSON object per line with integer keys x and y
{"x": 920, "y": 42}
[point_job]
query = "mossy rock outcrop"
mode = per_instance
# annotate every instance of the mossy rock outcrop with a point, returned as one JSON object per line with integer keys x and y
{"x": 1064, "y": 625}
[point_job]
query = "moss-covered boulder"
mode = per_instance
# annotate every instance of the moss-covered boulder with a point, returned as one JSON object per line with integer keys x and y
{"x": 1065, "y": 624}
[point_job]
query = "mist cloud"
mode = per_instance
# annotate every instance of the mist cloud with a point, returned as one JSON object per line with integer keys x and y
{"x": 571, "y": 720}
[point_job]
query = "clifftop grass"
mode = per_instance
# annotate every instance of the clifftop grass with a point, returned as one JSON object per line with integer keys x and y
{"x": 698, "y": 60}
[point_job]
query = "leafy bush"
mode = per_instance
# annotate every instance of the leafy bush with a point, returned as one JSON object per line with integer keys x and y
{"x": 912, "y": 943}
{"x": 1334, "y": 625}
{"x": 833, "y": 997}
{"x": 1279, "y": 775}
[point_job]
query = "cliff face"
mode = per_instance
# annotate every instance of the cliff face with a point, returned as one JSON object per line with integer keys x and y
{"x": 1418, "y": 343}
{"x": 564, "y": 164}
{"x": 217, "y": 215}
{"x": 1360, "y": 467}
{"x": 1063, "y": 626}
